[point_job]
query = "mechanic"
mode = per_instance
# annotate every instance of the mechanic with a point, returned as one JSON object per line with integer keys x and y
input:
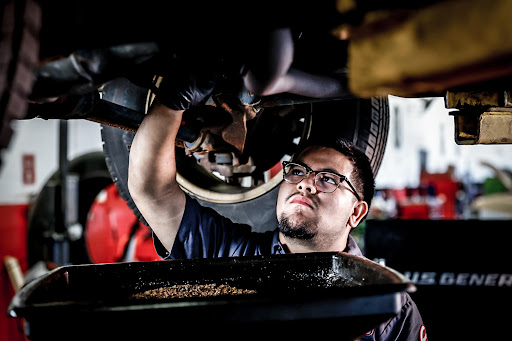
{"x": 326, "y": 193}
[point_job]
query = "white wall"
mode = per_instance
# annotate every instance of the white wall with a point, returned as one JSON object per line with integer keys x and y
{"x": 414, "y": 127}
{"x": 41, "y": 138}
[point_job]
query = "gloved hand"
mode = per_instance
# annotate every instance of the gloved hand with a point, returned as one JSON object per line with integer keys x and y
{"x": 187, "y": 84}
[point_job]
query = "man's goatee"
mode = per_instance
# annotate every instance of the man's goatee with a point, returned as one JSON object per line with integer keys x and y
{"x": 300, "y": 231}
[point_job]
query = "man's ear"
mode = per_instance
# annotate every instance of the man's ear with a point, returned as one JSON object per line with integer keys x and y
{"x": 360, "y": 210}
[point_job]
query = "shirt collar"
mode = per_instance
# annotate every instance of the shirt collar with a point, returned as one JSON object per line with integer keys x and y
{"x": 351, "y": 248}
{"x": 277, "y": 247}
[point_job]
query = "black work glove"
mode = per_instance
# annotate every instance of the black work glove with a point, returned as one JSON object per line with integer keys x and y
{"x": 186, "y": 84}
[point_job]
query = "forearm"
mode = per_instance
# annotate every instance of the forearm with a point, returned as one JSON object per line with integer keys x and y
{"x": 152, "y": 172}
{"x": 152, "y": 165}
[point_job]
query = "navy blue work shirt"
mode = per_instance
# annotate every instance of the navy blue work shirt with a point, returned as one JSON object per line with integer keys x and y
{"x": 204, "y": 233}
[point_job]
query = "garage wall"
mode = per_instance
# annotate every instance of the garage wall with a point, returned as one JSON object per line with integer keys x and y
{"x": 32, "y": 156}
{"x": 423, "y": 129}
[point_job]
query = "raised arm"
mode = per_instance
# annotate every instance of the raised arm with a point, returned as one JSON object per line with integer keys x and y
{"x": 152, "y": 172}
{"x": 152, "y": 167}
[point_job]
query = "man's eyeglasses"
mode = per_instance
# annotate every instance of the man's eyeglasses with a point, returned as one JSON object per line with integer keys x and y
{"x": 326, "y": 182}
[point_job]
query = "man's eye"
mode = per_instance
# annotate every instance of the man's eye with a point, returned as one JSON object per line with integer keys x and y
{"x": 328, "y": 179}
{"x": 297, "y": 171}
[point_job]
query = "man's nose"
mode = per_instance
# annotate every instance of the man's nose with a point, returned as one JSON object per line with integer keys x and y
{"x": 307, "y": 184}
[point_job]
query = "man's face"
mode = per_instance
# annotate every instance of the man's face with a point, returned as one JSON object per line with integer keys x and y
{"x": 305, "y": 213}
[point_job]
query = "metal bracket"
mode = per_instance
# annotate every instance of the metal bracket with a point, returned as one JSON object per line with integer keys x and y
{"x": 484, "y": 117}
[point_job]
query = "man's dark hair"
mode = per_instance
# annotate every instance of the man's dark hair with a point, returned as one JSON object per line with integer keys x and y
{"x": 362, "y": 175}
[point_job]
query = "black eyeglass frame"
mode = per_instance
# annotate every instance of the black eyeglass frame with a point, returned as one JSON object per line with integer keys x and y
{"x": 309, "y": 171}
